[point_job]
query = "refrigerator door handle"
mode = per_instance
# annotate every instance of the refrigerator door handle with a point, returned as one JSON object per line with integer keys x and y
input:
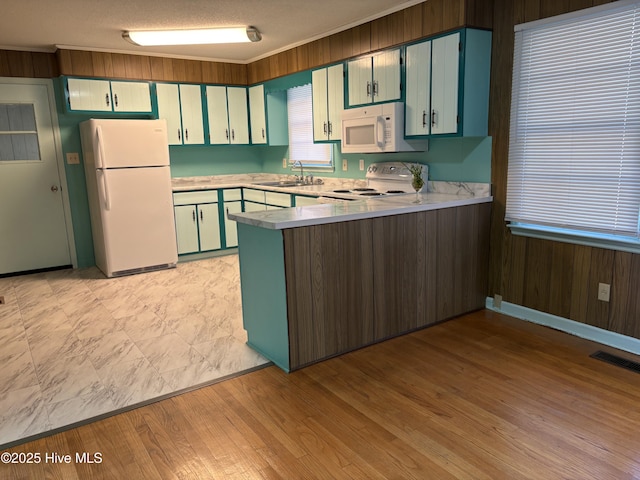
{"x": 100, "y": 146}
{"x": 105, "y": 189}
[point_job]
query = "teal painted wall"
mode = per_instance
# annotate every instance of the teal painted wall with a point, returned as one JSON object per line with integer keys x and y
{"x": 450, "y": 159}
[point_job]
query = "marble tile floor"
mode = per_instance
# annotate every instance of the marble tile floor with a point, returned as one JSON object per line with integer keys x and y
{"x": 75, "y": 345}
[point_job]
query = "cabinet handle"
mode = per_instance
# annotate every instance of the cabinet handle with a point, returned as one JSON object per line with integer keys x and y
{"x": 368, "y": 89}
{"x": 115, "y": 99}
{"x": 330, "y": 128}
{"x": 186, "y": 134}
{"x": 179, "y": 135}
{"x": 226, "y": 133}
{"x": 433, "y": 118}
{"x": 424, "y": 118}
{"x": 233, "y": 134}
{"x": 324, "y": 128}
{"x": 375, "y": 88}
{"x": 201, "y": 218}
{"x": 106, "y": 99}
{"x": 193, "y": 214}
{"x": 263, "y": 133}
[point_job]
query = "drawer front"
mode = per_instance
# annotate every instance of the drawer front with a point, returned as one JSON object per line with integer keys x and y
{"x": 232, "y": 194}
{"x": 192, "y": 198}
{"x": 278, "y": 199}
{"x": 254, "y": 207}
{"x": 254, "y": 195}
{"x": 304, "y": 201}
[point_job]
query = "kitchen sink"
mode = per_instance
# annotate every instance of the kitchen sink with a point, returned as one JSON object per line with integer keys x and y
{"x": 281, "y": 184}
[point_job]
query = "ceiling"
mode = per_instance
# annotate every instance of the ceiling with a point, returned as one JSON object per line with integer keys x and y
{"x": 43, "y": 25}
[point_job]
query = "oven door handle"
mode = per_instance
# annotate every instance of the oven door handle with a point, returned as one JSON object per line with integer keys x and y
{"x": 380, "y": 126}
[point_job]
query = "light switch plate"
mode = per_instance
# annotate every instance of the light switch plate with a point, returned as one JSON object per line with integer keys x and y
{"x": 604, "y": 292}
{"x": 361, "y": 164}
{"x": 284, "y": 163}
{"x": 73, "y": 158}
{"x": 344, "y": 165}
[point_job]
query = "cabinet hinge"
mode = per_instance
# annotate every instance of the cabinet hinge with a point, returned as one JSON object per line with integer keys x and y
{"x": 457, "y": 118}
{"x": 459, "y": 46}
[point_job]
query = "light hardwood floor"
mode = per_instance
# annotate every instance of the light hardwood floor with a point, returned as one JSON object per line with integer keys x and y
{"x": 483, "y": 396}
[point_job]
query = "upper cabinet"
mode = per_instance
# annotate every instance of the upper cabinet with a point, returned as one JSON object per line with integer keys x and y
{"x": 328, "y": 102}
{"x": 181, "y": 106}
{"x": 375, "y": 78}
{"x": 448, "y": 85}
{"x": 227, "y": 114}
{"x": 107, "y": 96}
{"x": 257, "y": 111}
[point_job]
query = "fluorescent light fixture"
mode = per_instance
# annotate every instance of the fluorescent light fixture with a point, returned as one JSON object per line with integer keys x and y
{"x": 193, "y": 37}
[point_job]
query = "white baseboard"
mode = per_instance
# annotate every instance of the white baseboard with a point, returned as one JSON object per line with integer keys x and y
{"x": 611, "y": 339}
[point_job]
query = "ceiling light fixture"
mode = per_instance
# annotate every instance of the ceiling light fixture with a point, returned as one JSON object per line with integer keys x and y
{"x": 193, "y": 37}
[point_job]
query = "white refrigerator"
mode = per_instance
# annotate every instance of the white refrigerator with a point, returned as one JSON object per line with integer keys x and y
{"x": 126, "y": 165}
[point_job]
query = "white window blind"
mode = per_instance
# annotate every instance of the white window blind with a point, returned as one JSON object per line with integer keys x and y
{"x": 574, "y": 147}
{"x": 301, "y": 146}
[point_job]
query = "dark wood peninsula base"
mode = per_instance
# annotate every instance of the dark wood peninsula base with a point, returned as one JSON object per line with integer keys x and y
{"x": 336, "y": 287}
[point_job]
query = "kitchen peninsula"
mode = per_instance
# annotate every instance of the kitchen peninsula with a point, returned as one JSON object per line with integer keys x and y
{"x": 322, "y": 280}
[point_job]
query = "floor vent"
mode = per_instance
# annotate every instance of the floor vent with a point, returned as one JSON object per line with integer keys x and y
{"x": 618, "y": 361}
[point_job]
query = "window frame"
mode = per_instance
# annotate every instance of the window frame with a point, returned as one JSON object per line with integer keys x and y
{"x": 578, "y": 234}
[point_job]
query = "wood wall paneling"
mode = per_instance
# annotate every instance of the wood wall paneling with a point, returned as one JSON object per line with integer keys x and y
{"x": 557, "y": 278}
{"x": 432, "y": 17}
{"x": 412, "y": 23}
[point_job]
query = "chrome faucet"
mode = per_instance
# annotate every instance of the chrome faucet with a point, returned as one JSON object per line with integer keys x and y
{"x": 299, "y": 178}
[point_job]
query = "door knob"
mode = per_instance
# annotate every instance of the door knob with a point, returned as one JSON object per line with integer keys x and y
{"x": 54, "y": 188}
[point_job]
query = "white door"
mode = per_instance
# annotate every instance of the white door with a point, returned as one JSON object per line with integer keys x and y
{"x": 217, "y": 114}
{"x": 169, "y": 109}
{"x": 417, "y": 107}
{"x": 319, "y": 101}
{"x": 258, "y": 117}
{"x": 335, "y": 100}
{"x": 360, "y": 88}
{"x": 238, "y": 115}
{"x": 186, "y": 229}
{"x": 32, "y": 213}
{"x": 209, "y": 226}
{"x": 192, "y": 120}
{"x": 444, "y": 84}
{"x": 386, "y": 76}
{"x": 131, "y": 97}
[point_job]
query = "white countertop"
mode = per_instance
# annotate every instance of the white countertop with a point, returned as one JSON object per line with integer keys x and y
{"x": 357, "y": 210}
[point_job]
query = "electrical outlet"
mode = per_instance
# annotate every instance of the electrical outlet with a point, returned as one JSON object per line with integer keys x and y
{"x": 284, "y": 163}
{"x": 604, "y": 292}
{"x": 73, "y": 158}
{"x": 361, "y": 164}
{"x": 345, "y": 166}
{"x": 497, "y": 301}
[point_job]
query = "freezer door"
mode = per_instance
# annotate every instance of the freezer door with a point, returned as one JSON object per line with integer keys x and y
{"x": 129, "y": 143}
{"x": 137, "y": 219}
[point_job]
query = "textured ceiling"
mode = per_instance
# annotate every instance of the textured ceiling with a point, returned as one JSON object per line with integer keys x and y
{"x": 41, "y": 25}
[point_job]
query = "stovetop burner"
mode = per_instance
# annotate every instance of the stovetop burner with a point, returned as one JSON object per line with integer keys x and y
{"x": 371, "y": 194}
{"x": 342, "y": 191}
{"x": 364, "y": 189}
{"x": 396, "y": 191}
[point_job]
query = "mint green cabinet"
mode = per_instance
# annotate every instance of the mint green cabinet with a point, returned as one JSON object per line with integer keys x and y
{"x": 95, "y": 95}
{"x": 447, "y": 84}
{"x": 181, "y": 106}
{"x": 227, "y": 115}
{"x": 375, "y": 78}
{"x": 328, "y": 102}
{"x": 197, "y": 220}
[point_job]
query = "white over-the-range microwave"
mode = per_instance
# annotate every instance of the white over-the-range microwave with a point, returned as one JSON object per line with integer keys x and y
{"x": 376, "y": 129}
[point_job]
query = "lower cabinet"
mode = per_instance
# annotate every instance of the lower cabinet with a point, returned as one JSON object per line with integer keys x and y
{"x": 232, "y": 203}
{"x": 197, "y": 221}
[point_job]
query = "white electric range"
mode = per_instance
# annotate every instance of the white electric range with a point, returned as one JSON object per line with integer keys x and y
{"x": 386, "y": 178}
